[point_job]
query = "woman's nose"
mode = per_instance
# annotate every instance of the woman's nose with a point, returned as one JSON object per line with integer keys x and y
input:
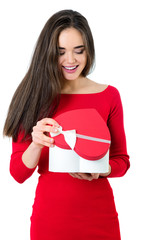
{"x": 70, "y": 58}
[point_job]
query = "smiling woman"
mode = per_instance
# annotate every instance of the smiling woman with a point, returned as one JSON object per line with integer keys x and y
{"x": 67, "y": 205}
{"x": 73, "y": 56}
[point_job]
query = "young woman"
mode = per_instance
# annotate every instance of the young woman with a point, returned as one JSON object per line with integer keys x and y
{"x": 67, "y": 205}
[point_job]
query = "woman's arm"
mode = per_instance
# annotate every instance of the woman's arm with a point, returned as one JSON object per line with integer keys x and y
{"x": 31, "y": 156}
{"x": 25, "y": 155}
{"x": 119, "y": 159}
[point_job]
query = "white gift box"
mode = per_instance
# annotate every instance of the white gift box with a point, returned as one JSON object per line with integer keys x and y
{"x": 65, "y": 160}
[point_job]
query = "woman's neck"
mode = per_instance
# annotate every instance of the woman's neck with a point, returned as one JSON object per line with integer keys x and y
{"x": 74, "y": 85}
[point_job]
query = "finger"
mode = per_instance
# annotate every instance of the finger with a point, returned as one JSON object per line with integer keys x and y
{"x": 78, "y": 176}
{"x": 46, "y": 139}
{"x": 82, "y": 176}
{"x": 86, "y": 176}
{"x": 95, "y": 175}
{"x": 48, "y": 121}
{"x": 41, "y": 138}
{"x": 71, "y": 174}
{"x": 46, "y": 144}
{"x": 75, "y": 175}
{"x": 47, "y": 128}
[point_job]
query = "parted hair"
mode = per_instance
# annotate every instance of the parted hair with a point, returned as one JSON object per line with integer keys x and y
{"x": 38, "y": 94}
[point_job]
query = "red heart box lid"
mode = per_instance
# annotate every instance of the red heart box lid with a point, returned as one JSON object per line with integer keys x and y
{"x": 86, "y": 122}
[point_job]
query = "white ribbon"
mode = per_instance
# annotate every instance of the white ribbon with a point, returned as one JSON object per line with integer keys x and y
{"x": 70, "y": 137}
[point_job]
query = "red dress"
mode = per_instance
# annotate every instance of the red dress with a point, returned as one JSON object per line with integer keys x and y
{"x": 70, "y": 208}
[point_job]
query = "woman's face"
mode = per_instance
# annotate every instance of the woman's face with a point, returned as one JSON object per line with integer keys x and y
{"x": 72, "y": 53}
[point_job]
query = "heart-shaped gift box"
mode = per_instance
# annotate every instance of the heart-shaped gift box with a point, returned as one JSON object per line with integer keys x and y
{"x": 92, "y": 134}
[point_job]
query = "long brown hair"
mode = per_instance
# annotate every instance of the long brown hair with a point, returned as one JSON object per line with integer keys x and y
{"x": 38, "y": 94}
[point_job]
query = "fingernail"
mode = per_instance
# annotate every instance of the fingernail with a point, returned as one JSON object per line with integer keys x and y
{"x": 55, "y": 130}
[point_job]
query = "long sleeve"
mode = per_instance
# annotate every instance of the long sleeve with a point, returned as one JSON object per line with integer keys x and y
{"x": 119, "y": 159}
{"x": 18, "y": 169}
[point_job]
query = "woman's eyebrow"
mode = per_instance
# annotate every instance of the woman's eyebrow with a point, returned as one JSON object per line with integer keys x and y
{"x": 80, "y": 46}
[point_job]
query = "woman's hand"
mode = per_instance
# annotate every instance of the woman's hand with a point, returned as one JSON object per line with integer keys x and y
{"x": 85, "y": 176}
{"x": 40, "y": 138}
{"x": 90, "y": 176}
{"x": 40, "y": 134}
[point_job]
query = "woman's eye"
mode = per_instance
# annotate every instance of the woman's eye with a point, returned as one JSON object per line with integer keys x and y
{"x": 61, "y": 53}
{"x": 80, "y": 52}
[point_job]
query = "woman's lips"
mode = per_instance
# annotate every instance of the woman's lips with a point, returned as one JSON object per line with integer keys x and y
{"x": 70, "y": 69}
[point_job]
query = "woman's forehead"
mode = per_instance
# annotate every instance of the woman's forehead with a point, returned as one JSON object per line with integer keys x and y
{"x": 70, "y": 38}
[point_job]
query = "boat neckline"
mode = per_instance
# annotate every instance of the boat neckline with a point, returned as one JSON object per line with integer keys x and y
{"x": 87, "y": 93}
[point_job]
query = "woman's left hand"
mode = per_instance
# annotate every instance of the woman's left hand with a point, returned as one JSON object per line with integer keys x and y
{"x": 90, "y": 176}
{"x": 85, "y": 176}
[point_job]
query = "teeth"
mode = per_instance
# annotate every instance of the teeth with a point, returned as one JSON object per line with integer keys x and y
{"x": 70, "y": 68}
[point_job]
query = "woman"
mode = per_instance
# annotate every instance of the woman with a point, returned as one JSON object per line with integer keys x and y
{"x": 67, "y": 205}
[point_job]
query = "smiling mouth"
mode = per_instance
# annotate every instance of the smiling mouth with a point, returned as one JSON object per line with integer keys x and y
{"x": 70, "y": 68}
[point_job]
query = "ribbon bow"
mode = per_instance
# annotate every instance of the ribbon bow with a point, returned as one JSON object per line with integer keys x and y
{"x": 69, "y": 136}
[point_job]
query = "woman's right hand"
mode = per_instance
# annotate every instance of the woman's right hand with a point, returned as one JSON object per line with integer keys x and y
{"x": 40, "y": 134}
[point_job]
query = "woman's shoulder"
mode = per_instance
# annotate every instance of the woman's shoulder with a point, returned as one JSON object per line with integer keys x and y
{"x": 113, "y": 90}
{"x": 95, "y": 87}
{"x": 106, "y": 88}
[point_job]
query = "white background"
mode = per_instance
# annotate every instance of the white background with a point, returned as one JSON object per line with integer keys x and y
{"x": 127, "y": 42}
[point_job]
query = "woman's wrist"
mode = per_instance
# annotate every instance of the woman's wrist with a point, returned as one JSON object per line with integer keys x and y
{"x": 36, "y": 147}
{"x": 31, "y": 156}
